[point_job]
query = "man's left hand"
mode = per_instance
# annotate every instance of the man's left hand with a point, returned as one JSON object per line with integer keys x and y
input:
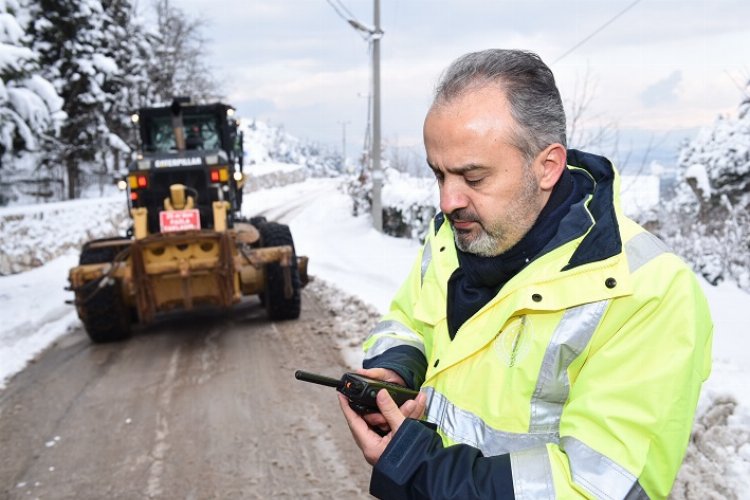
{"x": 370, "y": 442}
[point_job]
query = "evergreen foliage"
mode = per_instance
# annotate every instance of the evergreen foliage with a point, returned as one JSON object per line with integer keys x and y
{"x": 29, "y": 107}
{"x": 77, "y": 55}
{"x": 708, "y": 221}
{"x": 73, "y": 72}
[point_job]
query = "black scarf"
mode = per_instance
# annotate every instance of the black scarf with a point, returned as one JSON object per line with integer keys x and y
{"x": 478, "y": 279}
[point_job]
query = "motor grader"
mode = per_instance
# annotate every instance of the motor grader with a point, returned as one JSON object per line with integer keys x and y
{"x": 188, "y": 246}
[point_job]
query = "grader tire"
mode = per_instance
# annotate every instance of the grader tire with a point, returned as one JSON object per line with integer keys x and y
{"x": 102, "y": 309}
{"x": 278, "y": 305}
{"x": 104, "y": 315}
{"x": 258, "y": 220}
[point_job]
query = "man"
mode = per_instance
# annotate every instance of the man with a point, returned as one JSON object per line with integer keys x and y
{"x": 559, "y": 347}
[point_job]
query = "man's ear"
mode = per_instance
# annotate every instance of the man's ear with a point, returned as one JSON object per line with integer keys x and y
{"x": 551, "y": 162}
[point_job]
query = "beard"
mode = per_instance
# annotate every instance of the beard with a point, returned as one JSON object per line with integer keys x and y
{"x": 492, "y": 238}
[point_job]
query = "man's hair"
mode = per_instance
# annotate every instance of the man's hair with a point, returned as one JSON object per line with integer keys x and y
{"x": 529, "y": 86}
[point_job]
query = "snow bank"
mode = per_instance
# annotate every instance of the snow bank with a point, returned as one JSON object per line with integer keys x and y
{"x": 717, "y": 463}
{"x": 39, "y": 312}
{"x": 36, "y": 234}
{"x": 273, "y": 174}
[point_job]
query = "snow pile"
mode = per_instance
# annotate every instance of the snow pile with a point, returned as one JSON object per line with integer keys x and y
{"x": 35, "y": 234}
{"x": 409, "y": 203}
{"x": 351, "y": 319}
{"x": 35, "y": 312}
{"x": 717, "y": 463}
{"x": 273, "y": 174}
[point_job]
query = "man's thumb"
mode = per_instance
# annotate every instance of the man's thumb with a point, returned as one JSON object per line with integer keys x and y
{"x": 388, "y": 408}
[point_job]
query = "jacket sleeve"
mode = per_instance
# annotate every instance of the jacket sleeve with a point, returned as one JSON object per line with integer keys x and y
{"x": 396, "y": 341}
{"x": 415, "y": 465}
{"x": 625, "y": 427}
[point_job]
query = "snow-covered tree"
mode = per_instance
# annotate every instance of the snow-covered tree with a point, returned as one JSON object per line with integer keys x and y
{"x": 70, "y": 37}
{"x": 29, "y": 107}
{"x": 708, "y": 221}
{"x": 130, "y": 87}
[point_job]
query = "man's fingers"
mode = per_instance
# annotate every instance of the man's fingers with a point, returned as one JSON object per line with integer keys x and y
{"x": 374, "y": 419}
{"x": 382, "y": 374}
{"x": 355, "y": 422}
{"x": 420, "y": 404}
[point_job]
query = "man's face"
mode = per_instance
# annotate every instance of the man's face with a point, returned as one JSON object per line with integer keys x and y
{"x": 489, "y": 193}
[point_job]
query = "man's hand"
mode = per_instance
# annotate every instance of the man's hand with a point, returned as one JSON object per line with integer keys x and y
{"x": 369, "y": 441}
{"x": 377, "y": 420}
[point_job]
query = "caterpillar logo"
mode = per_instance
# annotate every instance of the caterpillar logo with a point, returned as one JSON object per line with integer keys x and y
{"x": 178, "y": 162}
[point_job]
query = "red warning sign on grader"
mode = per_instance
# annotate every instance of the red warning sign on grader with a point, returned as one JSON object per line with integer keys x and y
{"x": 179, "y": 220}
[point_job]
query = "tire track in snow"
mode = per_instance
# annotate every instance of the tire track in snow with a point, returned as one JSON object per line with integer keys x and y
{"x": 161, "y": 446}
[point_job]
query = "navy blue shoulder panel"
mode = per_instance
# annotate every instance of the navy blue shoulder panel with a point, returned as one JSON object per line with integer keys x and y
{"x": 603, "y": 241}
{"x": 439, "y": 219}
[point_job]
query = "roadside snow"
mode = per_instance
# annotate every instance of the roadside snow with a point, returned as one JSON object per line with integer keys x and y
{"x": 343, "y": 249}
{"x": 34, "y": 312}
{"x": 36, "y": 234}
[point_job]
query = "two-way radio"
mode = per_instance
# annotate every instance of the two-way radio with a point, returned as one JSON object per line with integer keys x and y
{"x": 361, "y": 391}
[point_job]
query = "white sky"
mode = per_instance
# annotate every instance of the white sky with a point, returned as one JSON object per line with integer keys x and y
{"x": 662, "y": 66}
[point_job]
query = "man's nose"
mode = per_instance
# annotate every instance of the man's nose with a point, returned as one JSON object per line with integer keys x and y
{"x": 452, "y": 197}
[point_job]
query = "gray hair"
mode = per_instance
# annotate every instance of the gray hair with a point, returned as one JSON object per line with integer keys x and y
{"x": 529, "y": 86}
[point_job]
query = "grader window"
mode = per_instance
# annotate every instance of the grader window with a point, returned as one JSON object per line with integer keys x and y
{"x": 201, "y": 132}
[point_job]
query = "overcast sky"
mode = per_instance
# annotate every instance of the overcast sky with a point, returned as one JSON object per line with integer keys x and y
{"x": 658, "y": 68}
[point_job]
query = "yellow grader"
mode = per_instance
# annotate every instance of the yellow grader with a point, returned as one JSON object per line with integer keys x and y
{"x": 188, "y": 246}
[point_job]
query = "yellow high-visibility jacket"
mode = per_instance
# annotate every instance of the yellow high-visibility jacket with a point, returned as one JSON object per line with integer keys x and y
{"x": 585, "y": 368}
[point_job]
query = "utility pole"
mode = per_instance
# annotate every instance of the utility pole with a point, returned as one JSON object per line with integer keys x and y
{"x": 375, "y": 34}
{"x": 343, "y": 142}
{"x": 377, "y": 172}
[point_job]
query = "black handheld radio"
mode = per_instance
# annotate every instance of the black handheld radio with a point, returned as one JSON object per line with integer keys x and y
{"x": 360, "y": 390}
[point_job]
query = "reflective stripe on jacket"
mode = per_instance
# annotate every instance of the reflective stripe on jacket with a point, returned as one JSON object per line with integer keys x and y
{"x": 585, "y": 368}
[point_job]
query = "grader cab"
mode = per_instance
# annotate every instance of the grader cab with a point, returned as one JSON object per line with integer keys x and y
{"x": 189, "y": 245}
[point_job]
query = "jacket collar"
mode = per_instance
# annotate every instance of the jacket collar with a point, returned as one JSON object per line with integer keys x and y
{"x": 603, "y": 239}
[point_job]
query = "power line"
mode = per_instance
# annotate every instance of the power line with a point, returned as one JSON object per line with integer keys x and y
{"x": 338, "y": 10}
{"x": 343, "y": 7}
{"x": 594, "y": 33}
{"x": 342, "y": 12}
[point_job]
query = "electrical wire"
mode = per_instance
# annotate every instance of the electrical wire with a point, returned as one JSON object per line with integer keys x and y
{"x": 338, "y": 7}
{"x": 595, "y": 32}
{"x": 338, "y": 10}
{"x": 345, "y": 9}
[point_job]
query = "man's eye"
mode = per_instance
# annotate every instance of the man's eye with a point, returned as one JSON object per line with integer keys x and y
{"x": 474, "y": 182}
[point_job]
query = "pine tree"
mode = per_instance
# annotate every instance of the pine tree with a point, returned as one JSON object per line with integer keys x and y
{"x": 127, "y": 42}
{"x": 708, "y": 221}
{"x": 29, "y": 108}
{"x": 70, "y": 37}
